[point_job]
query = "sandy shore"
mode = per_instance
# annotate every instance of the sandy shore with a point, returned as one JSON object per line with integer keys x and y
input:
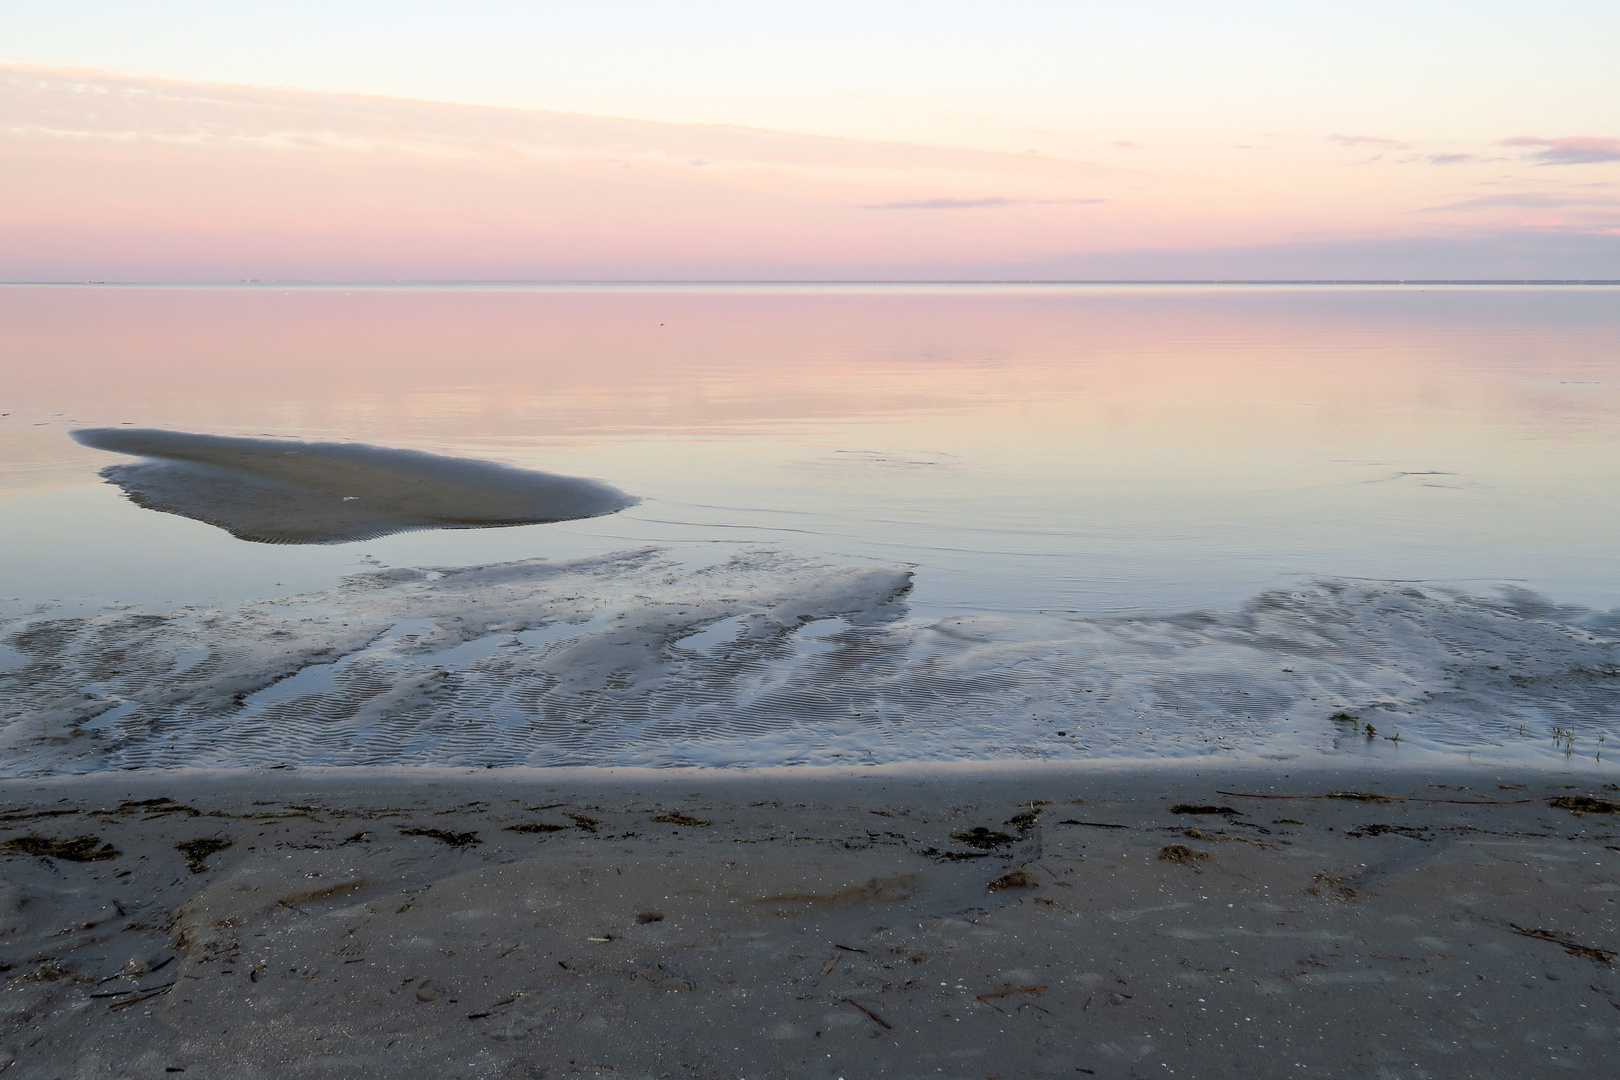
{"x": 525, "y": 923}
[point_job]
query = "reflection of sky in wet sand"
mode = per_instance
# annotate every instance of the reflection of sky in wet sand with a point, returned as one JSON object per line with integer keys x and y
{"x": 1044, "y": 448}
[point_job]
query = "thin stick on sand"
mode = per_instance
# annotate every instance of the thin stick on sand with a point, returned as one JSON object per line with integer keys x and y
{"x": 1600, "y": 956}
{"x": 1362, "y": 796}
{"x": 832, "y": 962}
{"x": 870, "y": 1013}
{"x": 154, "y": 992}
{"x": 1009, "y": 993}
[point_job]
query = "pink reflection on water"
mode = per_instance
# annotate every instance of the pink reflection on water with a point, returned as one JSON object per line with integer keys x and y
{"x": 452, "y": 365}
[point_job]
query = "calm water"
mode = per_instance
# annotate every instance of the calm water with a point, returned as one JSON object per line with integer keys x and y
{"x": 1084, "y": 448}
{"x": 1034, "y": 452}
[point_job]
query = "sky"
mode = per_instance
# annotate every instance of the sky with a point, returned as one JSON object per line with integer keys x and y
{"x": 612, "y": 140}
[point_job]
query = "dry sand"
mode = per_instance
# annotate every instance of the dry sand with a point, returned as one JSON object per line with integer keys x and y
{"x": 393, "y": 924}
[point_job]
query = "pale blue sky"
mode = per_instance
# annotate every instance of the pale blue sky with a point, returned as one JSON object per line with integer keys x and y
{"x": 1059, "y": 76}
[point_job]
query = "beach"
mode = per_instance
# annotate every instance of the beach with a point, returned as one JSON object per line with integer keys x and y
{"x": 810, "y": 682}
{"x": 1000, "y": 921}
{"x": 788, "y": 542}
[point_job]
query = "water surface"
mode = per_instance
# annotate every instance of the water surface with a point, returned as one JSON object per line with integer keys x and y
{"x": 1093, "y": 448}
{"x": 1024, "y": 452}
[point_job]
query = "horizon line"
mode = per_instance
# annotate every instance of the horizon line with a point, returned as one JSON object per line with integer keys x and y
{"x": 827, "y": 281}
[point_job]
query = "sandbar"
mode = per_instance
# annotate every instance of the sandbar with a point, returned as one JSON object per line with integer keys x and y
{"x": 285, "y": 491}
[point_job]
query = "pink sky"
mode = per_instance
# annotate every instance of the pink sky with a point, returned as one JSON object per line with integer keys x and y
{"x": 124, "y": 177}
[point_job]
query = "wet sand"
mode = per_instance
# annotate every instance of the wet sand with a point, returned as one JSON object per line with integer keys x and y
{"x": 526, "y": 923}
{"x": 284, "y": 491}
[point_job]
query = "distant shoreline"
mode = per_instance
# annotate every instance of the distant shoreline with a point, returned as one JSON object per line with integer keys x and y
{"x": 799, "y": 282}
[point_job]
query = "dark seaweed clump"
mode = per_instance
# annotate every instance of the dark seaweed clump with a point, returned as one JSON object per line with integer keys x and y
{"x": 1025, "y": 821}
{"x": 454, "y": 839}
{"x": 1181, "y": 853}
{"x": 982, "y": 838}
{"x": 1200, "y": 808}
{"x": 1585, "y": 804}
{"x": 1018, "y": 879}
{"x": 197, "y": 851}
{"x": 152, "y": 808}
{"x": 77, "y": 849}
{"x": 952, "y": 856}
{"x": 1386, "y": 830}
{"x": 675, "y": 817}
{"x": 535, "y": 826}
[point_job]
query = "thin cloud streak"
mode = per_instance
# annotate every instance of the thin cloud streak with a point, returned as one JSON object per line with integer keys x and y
{"x": 976, "y": 204}
{"x": 1569, "y": 150}
{"x": 1525, "y": 200}
{"x": 1366, "y": 140}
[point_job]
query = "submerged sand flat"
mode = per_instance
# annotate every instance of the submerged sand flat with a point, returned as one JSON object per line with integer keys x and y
{"x": 517, "y": 925}
{"x": 280, "y": 491}
{"x": 759, "y": 658}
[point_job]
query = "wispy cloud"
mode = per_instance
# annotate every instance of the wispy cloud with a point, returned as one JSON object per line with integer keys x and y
{"x": 1569, "y": 150}
{"x": 1525, "y": 200}
{"x": 122, "y": 176}
{"x": 79, "y": 106}
{"x": 261, "y": 182}
{"x": 1365, "y": 140}
{"x": 1451, "y": 159}
{"x": 974, "y": 204}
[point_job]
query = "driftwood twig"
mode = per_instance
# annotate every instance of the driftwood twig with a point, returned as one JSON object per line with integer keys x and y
{"x": 1597, "y": 956}
{"x": 870, "y": 1013}
{"x": 142, "y": 996}
{"x": 1009, "y": 993}
{"x": 1363, "y": 796}
{"x": 832, "y": 962}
